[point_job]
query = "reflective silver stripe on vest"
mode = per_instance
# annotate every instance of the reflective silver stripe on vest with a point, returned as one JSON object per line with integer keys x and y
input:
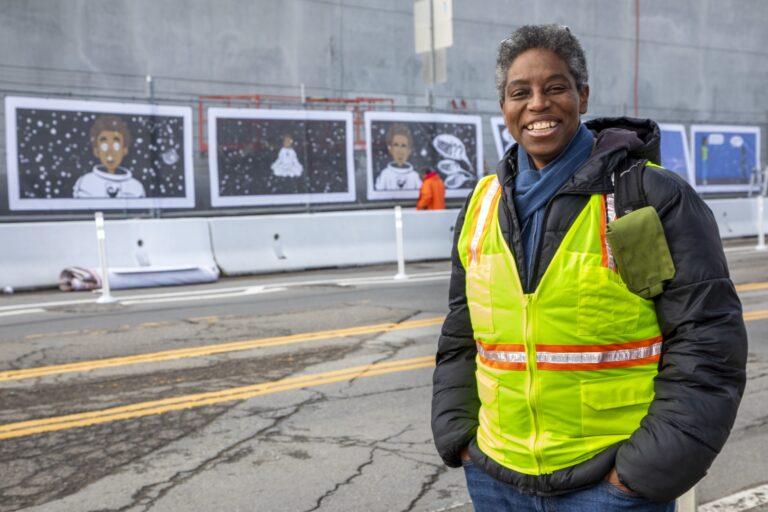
{"x": 610, "y": 213}
{"x": 484, "y": 211}
{"x": 610, "y": 208}
{"x": 501, "y": 356}
{"x": 610, "y": 356}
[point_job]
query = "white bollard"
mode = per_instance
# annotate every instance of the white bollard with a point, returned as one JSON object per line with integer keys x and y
{"x": 687, "y": 502}
{"x": 760, "y": 223}
{"x": 399, "y": 241}
{"x": 106, "y": 297}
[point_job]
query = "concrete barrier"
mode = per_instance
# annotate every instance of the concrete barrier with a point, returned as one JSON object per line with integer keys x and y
{"x": 428, "y": 234}
{"x": 34, "y": 254}
{"x": 735, "y": 217}
{"x": 246, "y": 245}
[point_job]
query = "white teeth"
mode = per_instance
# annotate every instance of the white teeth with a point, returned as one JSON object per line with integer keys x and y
{"x": 542, "y": 125}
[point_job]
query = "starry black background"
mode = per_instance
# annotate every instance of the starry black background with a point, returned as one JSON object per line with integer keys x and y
{"x": 54, "y": 149}
{"x": 248, "y": 147}
{"x": 423, "y": 153}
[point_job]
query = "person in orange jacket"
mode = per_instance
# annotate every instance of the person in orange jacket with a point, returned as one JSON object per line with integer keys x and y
{"x": 432, "y": 192}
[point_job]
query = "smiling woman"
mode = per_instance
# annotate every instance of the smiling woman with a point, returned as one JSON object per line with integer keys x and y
{"x": 542, "y": 104}
{"x": 553, "y": 378}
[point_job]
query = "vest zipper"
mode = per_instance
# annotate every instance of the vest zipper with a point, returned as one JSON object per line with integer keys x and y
{"x": 533, "y": 381}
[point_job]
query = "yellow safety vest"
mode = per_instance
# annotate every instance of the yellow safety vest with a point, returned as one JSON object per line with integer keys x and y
{"x": 566, "y": 371}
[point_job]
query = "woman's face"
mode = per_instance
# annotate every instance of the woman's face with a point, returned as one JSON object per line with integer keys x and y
{"x": 542, "y": 104}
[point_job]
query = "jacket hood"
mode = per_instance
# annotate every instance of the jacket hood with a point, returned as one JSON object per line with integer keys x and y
{"x": 640, "y": 138}
{"x": 616, "y": 139}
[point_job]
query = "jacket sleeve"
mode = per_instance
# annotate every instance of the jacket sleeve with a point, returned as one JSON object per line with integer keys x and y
{"x": 702, "y": 368}
{"x": 455, "y": 403}
{"x": 425, "y": 196}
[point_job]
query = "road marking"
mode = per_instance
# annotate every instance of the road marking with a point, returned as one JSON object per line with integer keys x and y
{"x": 739, "y": 248}
{"x": 98, "y": 332}
{"x": 51, "y": 334}
{"x": 208, "y": 350}
{"x": 210, "y": 319}
{"x": 31, "y": 427}
{"x": 744, "y": 500}
{"x": 218, "y": 293}
{"x": 255, "y": 290}
{"x": 755, "y": 315}
{"x": 22, "y": 312}
{"x": 748, "y": 287}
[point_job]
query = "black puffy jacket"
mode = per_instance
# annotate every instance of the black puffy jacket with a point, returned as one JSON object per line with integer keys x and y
{"x": 702, "y": 367}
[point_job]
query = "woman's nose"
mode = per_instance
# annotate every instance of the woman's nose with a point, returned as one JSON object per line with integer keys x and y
{"x": 538, "y": 101}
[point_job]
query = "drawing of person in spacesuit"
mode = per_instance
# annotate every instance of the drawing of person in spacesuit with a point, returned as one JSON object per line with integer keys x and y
{"x": 287, "y": 164}
{"x": 399, "y": 174}
{"x": 110, "y": 138}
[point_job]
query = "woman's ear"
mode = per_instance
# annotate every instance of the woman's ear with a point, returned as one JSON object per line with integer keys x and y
{"x": 583, "y": 99}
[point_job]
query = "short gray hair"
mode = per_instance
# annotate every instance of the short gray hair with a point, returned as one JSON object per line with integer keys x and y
{"x": 555, "y": 38}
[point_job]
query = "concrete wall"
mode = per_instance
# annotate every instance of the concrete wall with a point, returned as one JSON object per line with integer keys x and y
{"x": 700, "y": 60}
{"x": 691, "y": 51}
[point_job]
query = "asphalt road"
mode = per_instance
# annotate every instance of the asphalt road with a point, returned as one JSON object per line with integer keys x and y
{"x": 289, "y": 392}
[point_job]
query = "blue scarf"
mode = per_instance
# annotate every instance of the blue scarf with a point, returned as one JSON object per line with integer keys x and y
{"x": 534, "y": 188}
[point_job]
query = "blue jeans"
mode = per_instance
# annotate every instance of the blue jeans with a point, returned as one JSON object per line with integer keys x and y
{"x": 491, "y": 495}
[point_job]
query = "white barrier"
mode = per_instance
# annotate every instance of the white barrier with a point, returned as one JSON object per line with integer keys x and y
{"x": 34, "y": 254}
{"x": 428, "y": 234}
{"x": 247, "y": 245}
{"x": 735, "y": 217}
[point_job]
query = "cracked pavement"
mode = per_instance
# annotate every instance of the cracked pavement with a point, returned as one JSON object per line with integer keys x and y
{"x": 362, "y": 443}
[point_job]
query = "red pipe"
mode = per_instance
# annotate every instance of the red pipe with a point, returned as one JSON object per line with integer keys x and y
{"x": 357, "y": 120}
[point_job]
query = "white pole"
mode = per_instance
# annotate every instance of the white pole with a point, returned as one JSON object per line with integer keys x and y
{"x": 687, "y": 502}
{"x": 760, "y": 223}
{"x": 399, "y": 241}
{"x": 106, "y": 297}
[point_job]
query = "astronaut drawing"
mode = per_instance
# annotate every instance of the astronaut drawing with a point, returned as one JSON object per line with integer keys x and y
{"x": 287, "y": 164}
{"x": 110, "y": 138}
{"x": 399, "y": 174}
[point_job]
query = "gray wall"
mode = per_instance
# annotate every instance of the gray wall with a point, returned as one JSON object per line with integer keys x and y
{"x": 700, "y": 60}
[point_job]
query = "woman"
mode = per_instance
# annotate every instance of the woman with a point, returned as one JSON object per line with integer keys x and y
{"x": 556, "y": 385}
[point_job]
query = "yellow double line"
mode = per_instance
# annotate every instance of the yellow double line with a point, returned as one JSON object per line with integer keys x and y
{"x": 755, "y": 315}
{"x": 26, "y": 428}
{"x": 208, "y": 350}
{"x": 749, "y": 287}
